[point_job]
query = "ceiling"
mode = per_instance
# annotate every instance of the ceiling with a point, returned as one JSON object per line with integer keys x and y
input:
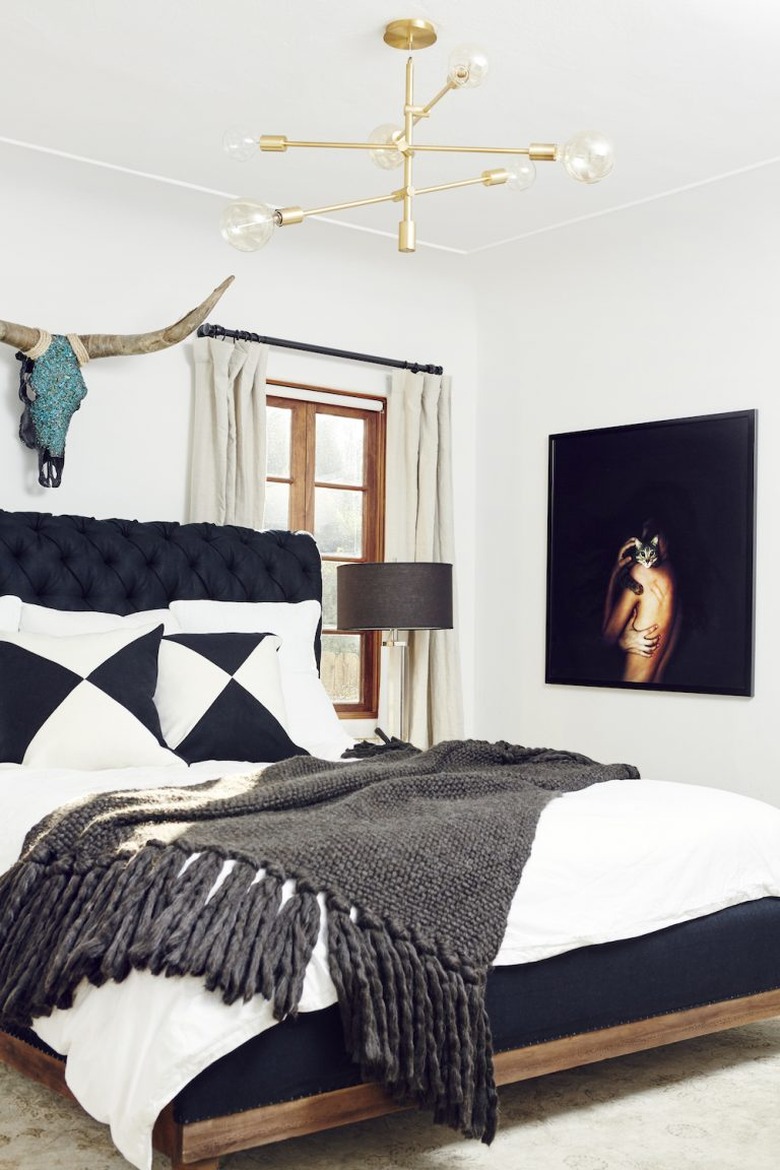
{"x": 688, "y": 90}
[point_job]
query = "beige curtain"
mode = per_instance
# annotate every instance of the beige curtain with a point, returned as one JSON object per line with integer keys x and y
{"x": 419, "y": 527}
{"x": 228, "y": 451}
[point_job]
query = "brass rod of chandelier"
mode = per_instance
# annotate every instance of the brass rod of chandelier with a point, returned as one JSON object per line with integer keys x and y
{"x": 323, "y": 145}
{"x": 436, "y": 98}
{"x": 539, "y": 151}
{"x": 394, "y": 197}
{"x": 406, "y": 228}
{"x": 487, "y": 178}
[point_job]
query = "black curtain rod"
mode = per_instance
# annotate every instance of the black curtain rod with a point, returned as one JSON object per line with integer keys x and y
{"x": 208, "y": 330}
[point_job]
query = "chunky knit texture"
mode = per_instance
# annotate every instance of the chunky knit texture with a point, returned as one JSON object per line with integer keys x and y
{"x": 418, "y": 855}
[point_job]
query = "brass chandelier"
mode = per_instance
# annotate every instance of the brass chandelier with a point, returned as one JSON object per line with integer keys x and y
{"x": 248, "y": 224}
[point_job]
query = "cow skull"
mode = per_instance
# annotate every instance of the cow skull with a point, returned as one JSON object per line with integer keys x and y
{"x": 51, "y": 385}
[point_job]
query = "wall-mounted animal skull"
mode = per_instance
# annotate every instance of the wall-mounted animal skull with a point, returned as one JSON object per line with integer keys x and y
{"x": 51, "y": 385}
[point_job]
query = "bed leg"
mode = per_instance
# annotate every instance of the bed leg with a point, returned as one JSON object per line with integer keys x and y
{"x": 169, "y": 1138}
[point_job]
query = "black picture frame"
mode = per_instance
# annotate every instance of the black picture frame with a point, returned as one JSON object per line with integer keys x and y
{"x": 692, "y": 480}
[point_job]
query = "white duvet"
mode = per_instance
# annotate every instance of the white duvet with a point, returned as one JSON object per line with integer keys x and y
{"x": 613, "y": 861}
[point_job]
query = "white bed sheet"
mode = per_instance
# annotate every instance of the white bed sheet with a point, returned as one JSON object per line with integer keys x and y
{"x": 613, "y": 861}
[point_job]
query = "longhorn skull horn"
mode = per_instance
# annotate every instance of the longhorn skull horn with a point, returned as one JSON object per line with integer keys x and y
{"x": 100, "y": 345}
{"x": 111, "y": 344}
{"x": 19, "y": 336}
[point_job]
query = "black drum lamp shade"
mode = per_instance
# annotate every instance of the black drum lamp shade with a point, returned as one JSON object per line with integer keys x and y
{"x": 394, "y": 595}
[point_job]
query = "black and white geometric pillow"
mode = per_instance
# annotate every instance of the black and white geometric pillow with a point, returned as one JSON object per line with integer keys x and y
{"x": 219, "y": 697}
{"x": 81, "y": 701}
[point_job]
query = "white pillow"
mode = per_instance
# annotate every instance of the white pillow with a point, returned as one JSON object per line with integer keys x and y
{"x": 312, "y": 721}
{"x": 40, "y": 619}
{"x": 295, "y": 622}
{"x": 81, "y": 701}
{"x": 10, "y": 611}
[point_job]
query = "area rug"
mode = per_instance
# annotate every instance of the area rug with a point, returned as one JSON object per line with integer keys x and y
{"x": 707, "y": 1104}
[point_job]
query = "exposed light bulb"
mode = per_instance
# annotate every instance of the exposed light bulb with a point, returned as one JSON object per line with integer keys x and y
{"x": 239, "y": 143}
{"x": 468, "y": 66}
{"x": 386, "y": 156}
{"x": 247, "y": 224}
{"x": 521, "y": 174}
{"x": 588, "y": 156}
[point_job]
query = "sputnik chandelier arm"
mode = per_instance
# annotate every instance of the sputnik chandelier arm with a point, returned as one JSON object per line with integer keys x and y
{"x": 248, "y": 224}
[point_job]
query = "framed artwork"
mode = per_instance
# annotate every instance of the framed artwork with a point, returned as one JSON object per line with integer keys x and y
{"x": 650, "y": 559}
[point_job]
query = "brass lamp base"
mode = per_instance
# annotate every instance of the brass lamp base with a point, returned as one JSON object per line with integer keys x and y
{"x": 410, "y": 34}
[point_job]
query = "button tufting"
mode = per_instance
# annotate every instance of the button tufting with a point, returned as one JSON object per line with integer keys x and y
{"x": 121, "y": 564}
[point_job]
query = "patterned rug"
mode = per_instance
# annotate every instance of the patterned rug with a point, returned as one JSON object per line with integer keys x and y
{"x": 705, "y": 1104}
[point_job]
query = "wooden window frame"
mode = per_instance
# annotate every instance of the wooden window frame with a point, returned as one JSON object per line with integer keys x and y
{"x": 302, "y": 486}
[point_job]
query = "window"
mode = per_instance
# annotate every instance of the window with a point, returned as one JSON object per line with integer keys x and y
{"x": 325, "y": 474}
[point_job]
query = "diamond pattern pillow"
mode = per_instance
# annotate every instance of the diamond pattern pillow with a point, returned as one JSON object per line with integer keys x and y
{"x": 220, "y": 698}
{"x": 81, "y": 701}
{"x": 311, "y": 717}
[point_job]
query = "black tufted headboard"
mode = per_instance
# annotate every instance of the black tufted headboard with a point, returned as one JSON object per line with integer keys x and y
{"x": 122, "y": 566}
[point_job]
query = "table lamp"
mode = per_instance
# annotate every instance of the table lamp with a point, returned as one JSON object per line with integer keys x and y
{"x": 393, "y": 596}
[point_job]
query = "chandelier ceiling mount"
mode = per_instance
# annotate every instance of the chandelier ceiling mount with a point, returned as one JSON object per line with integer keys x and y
{"x": 410, "y": 34}
{"x": 248, "y": 224}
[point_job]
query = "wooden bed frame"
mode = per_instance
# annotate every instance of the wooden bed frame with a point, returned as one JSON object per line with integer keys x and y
{"x": 200, "y": 1145}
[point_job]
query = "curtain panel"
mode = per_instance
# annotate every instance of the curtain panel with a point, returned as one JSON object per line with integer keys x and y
{"x": 228, "y": 450}
{"x": 419, "y": 526}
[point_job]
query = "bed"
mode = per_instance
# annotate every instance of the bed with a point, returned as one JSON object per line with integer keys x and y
{"x": 595, "y": 962}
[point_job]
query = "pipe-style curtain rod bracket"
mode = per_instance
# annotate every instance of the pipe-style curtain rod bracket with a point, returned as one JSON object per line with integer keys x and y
{"x": 209, "y": 330}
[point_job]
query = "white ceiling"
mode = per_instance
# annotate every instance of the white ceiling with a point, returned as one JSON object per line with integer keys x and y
{"x": 689, "y": 91}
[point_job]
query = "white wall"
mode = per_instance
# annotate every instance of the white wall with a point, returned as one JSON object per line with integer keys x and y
{"x": 665, "y": 310}
{"x": 89, "y": 250}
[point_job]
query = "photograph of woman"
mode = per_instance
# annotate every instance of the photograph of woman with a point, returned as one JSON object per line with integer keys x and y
{"x": 641, "y": 610}
{"x": 650, "y": 555}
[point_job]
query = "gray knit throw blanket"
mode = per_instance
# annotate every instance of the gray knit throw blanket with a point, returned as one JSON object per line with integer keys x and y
{"x": 418, "y": 855}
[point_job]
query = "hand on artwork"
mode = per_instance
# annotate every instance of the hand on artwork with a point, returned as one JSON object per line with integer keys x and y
{"x": 643, "y": 642}
{"x": 624, "y": 556}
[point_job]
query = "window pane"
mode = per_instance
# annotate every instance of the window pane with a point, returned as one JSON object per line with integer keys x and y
{"x": 341, "y": 670}
{"x": 278, "y": 430}
{"x": 329, "y": 595}
{"x": 325, "y": 466}
{"x": 277, "y": 505}
{"x": 338, "y": 522}
{"x": 339, "y": 457}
